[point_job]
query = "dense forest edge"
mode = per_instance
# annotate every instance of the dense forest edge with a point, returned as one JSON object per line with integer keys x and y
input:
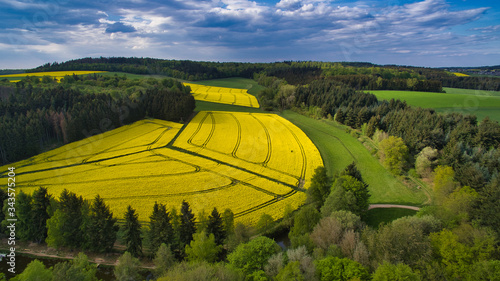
{"x": 457, "y": 237}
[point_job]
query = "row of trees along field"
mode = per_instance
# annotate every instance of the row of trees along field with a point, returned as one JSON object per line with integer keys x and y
{"x": 37, "y": 114}
{"x": 364, "y": 76}
{"x": 329, "y": 240}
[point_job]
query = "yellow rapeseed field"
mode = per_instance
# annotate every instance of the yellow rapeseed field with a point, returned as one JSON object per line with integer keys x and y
{"x": 223, "y": 95}
{"x": 247, "y": 162}
{"x": 54, "y": 74}
{"x": 460, "y": 74}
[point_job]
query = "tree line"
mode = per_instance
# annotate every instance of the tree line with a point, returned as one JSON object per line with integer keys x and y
{"x": 37, "y": 116}
{"x": 329, "y": 239}
{"x": 363, "y": 76}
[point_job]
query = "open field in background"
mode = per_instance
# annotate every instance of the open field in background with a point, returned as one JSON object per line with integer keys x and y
{"x": 375, "y": 217}
{"x": 455, "y": 100}
{"x": 223, "y": 95}
{"x": 339, "y": 149}
{"x": 235, "y": 82}
{"x": 461, "y": 74}
{"x": 55, "y": 74}
{"x": 214, "y": 162}
{"x": 471, "y": 92}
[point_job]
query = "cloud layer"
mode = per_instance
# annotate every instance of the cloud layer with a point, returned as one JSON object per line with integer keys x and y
{"x": 429, "y": 32}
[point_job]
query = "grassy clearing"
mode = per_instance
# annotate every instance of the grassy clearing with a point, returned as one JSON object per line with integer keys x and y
{"x": 375, "y": 217}
{"x": 339, "y": 149}
{"x": 463, "y": 101}
{"x": 471, "y": 92}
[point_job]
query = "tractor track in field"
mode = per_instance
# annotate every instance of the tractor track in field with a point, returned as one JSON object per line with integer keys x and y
{"x": 269, "y": 144}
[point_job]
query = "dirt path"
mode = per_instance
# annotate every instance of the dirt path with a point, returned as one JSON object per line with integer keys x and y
{"x": 383, "y": 206}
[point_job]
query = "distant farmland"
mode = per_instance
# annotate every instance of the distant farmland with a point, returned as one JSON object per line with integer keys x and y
{"x": 479, "y": 103}
{"x": 223, "y": 95}
{"x": 54, "y": 74}
{"x": 249, "y": 162}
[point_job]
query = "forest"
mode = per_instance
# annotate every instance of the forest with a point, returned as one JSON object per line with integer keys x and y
{"x": 457, "y": 237}
{"x": 41, "y": 114}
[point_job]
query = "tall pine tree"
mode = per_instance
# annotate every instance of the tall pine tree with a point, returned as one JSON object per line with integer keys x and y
{"x": 102, "y": 228}
{"x": 132, "y": 232}
{"x": 71, "y": 206}
{"x": 216, "y": 227}
{"x": 160, "y": 228}
{"x": 39, "y": 214}
{"x": 187, "y": 227}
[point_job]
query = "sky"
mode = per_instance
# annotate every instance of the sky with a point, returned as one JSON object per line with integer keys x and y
{"x": 431, "y": 33}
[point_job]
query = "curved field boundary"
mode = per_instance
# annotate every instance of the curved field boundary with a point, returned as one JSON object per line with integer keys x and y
{"x": 238, "y": 139}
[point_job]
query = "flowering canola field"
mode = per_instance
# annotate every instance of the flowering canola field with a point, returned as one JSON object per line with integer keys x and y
{"x": 223, "y": 95}
{"x": 54, "y": 74}
{"x": 251, "y": 163}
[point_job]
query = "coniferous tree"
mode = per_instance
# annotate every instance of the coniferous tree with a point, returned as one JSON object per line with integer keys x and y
{"x": 228, "y": 218}
{"x": 24, "y": 225}
{"x": 102, "y": 228}
{"x": 71, "y": 207}
{"x": 160, "y": 227}
{"x": 39, "y": 214}
{"x": 216, "y": 227}
{"x": 132, "y": 230}
{"x": 187, "y": 227}
{"x": 320, "y": 187}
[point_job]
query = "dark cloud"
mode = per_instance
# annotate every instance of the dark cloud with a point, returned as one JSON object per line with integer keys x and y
{"x": 260, "y": 29}
{"x": 120, "y": 27}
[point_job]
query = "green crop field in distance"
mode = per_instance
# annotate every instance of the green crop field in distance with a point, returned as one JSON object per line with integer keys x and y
{"x": 458, "y": 100}
{"x": 339, "y": 149}
{"x": 375, "y": 217}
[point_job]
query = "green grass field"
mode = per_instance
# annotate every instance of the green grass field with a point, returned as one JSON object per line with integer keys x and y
{"x": 339, "y": 149}
{"x": 454, "y": 100}
{"x": 375, "y": 217}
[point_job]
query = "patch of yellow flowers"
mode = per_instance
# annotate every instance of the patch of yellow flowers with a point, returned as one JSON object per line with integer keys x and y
{"x": 247, "y": 162}
{"x": 223, "y": 95}
{"x": 54, "y": 74}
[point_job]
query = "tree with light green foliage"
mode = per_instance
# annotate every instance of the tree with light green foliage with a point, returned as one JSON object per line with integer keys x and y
{"x": 444, "y": 182}
{"x": 253, "y": 256}
{"x": 391, "y": 272}
{"x": 164, "y": 259}
{"x": 459, "y": 249}
{"x": 78, "y": 269}
{"x": 127, "y": 268}
{"x": 35, "y": 271}
{"x": 290, "y": 272}
{"x": 55, "y": 231}
{"x": 394, "y": 154}
{"x": 203, "y": 248}
{"x": 337, "y": 269}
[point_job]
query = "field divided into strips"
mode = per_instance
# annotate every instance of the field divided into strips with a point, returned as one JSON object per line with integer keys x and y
{"x": 54, "y": 74}
{"x": 214, "y": 162}
{"x": 223, "y": 95}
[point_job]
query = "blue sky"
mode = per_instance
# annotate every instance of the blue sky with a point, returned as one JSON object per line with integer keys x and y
{"x": 405, "y": 32}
